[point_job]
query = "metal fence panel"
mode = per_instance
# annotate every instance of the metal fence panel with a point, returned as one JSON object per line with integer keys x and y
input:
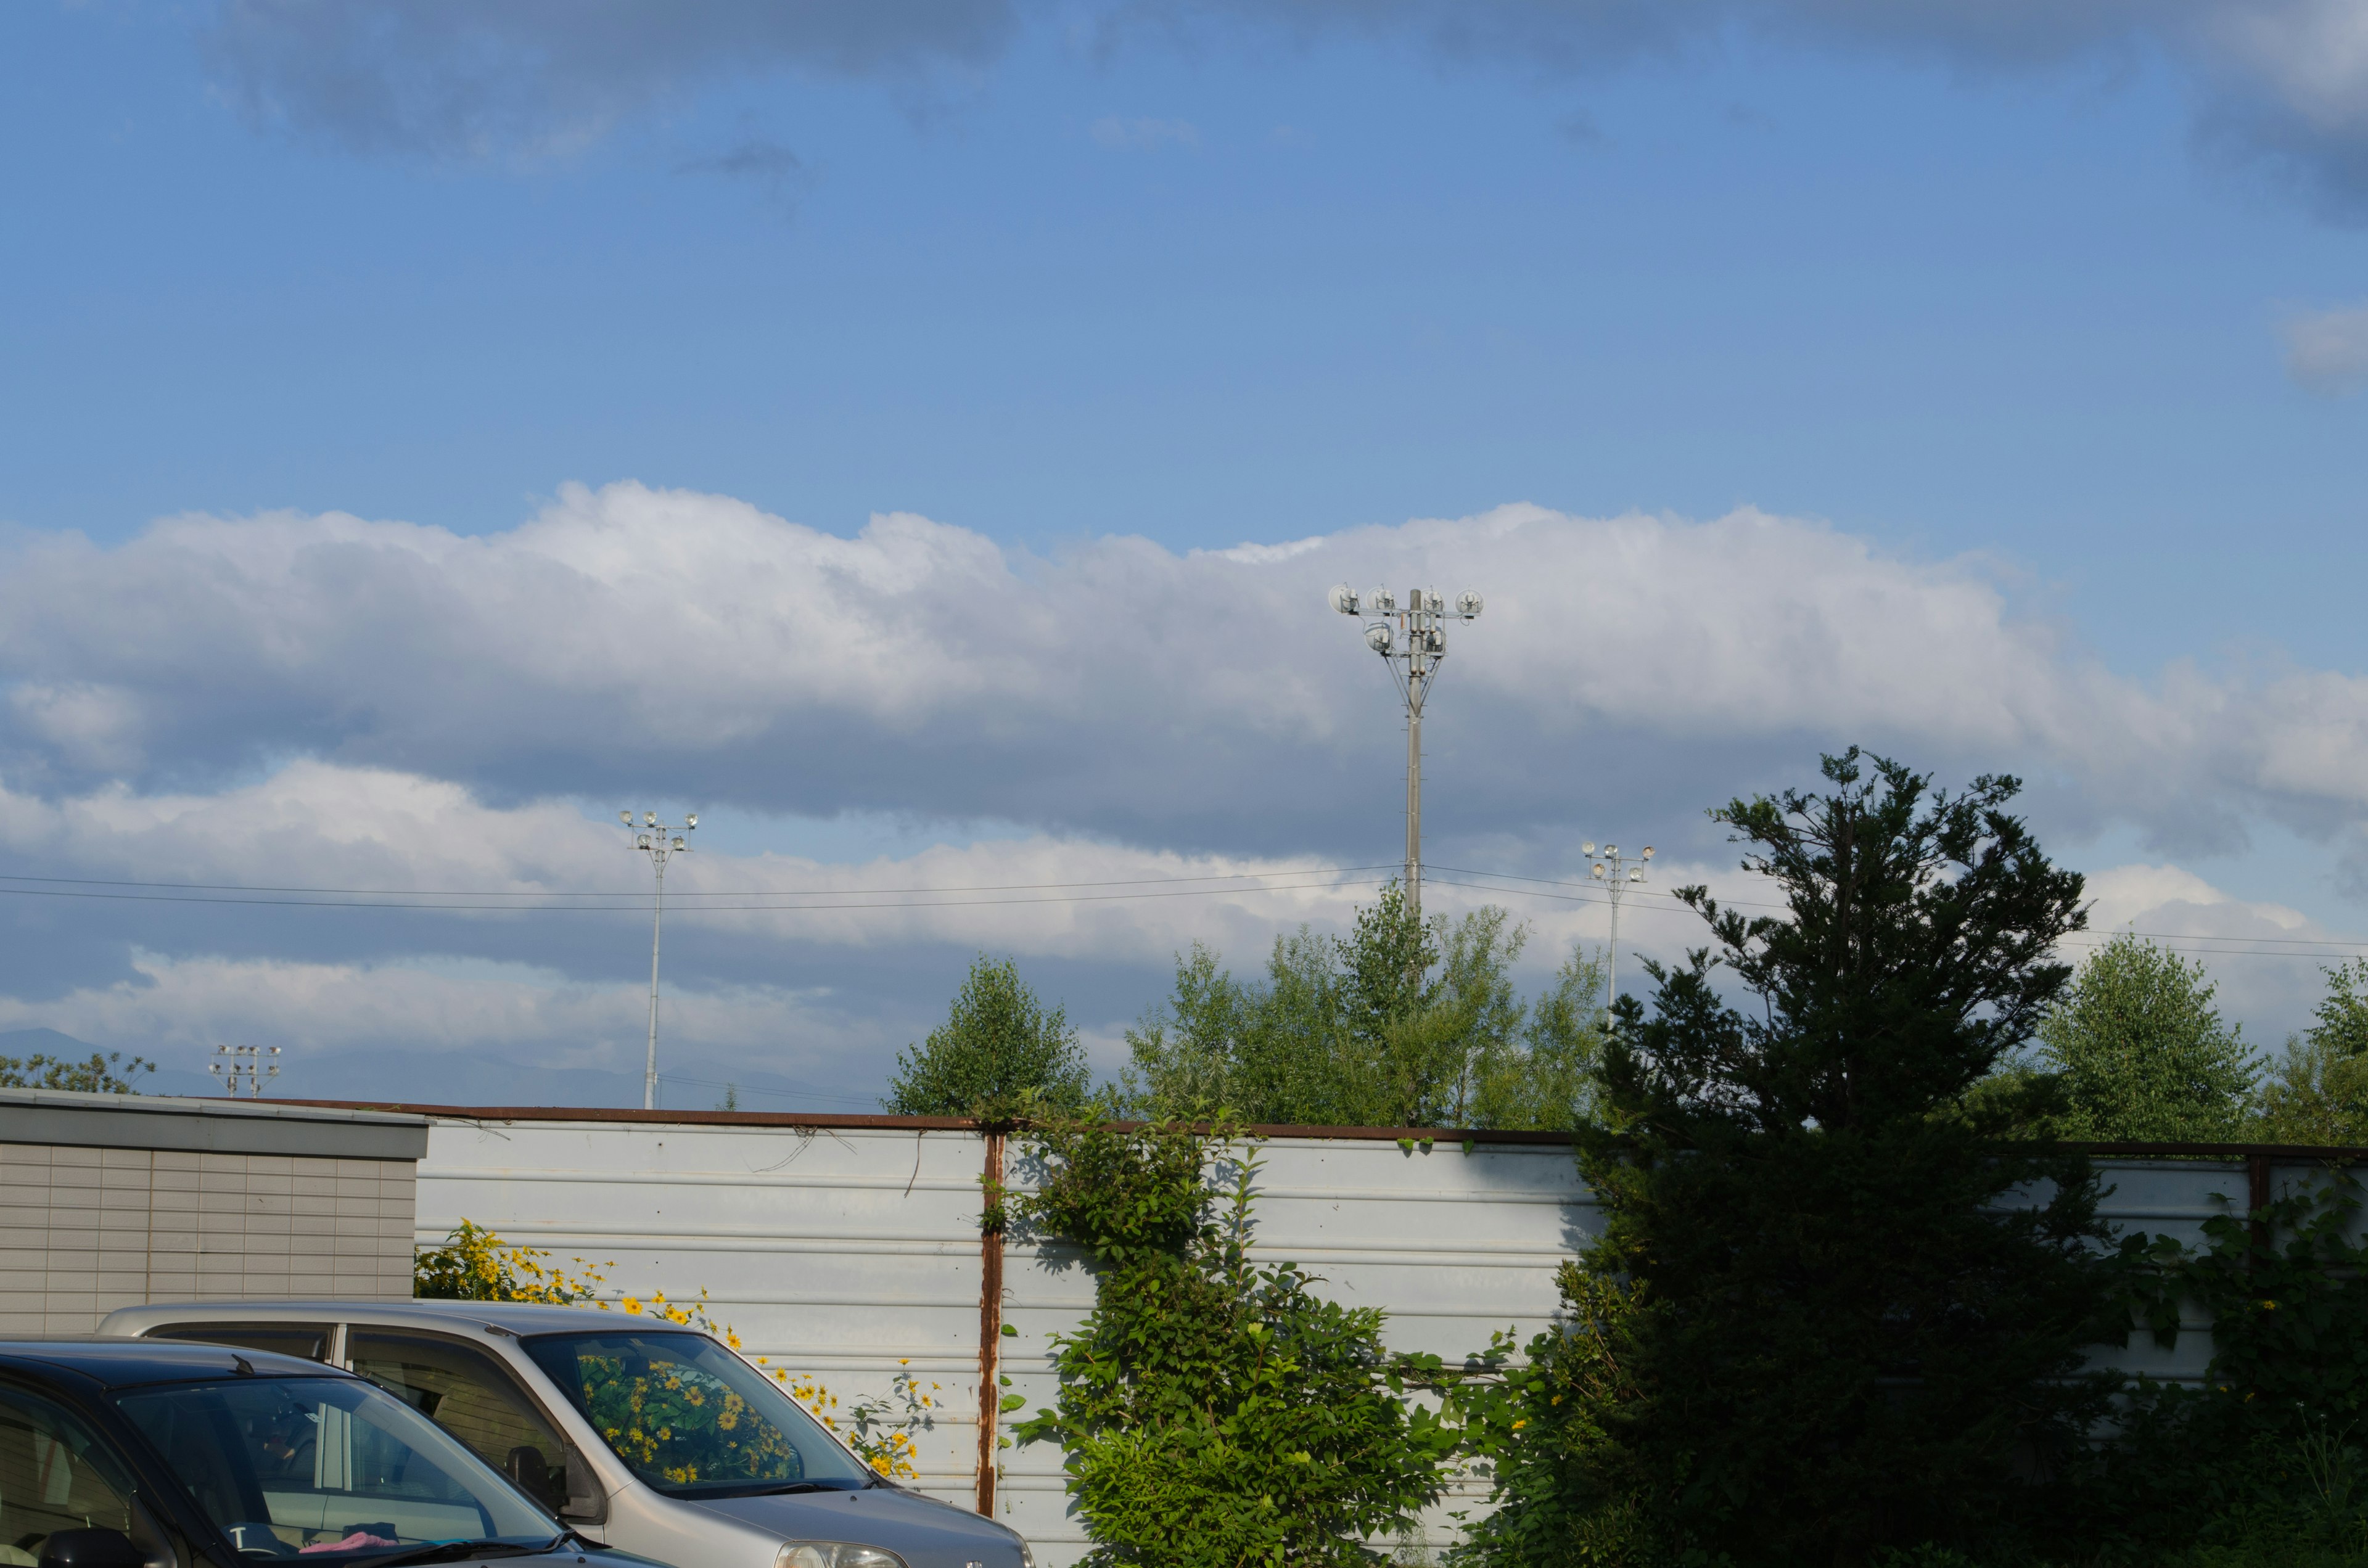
{"x": 854, "y": 1254}
{"x": 849, "y": 1254}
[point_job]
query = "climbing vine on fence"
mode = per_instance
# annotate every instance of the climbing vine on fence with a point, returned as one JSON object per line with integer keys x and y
{"x": 475, "y": 1265}
{"x": 1212, "y": 1411}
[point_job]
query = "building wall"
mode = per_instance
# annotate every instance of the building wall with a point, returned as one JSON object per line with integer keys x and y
{"x": 108, "y": 1202}
{"x": 85, "y": 1230}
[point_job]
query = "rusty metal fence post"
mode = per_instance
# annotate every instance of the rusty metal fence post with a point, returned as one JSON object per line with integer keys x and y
{"x": 990, "y": 1322}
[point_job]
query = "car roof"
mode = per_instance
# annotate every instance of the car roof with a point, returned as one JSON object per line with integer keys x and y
{"x": 128, "y": 1363}
{"x": 517, "y": 1317}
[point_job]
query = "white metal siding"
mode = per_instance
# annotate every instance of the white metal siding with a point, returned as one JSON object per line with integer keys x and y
{"x": 852, "y": 1254}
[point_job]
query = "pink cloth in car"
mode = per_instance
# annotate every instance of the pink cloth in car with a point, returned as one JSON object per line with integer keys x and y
{"x": 353, "y": 1543}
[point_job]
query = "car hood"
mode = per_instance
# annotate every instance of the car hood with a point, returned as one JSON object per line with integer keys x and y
{"x": 923, "y": 1531}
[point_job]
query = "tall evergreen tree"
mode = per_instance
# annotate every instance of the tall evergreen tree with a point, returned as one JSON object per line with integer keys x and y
{"x": 998, "y": 1044}
{"x": 1818, "y": 1323}
{"x": 2141, "y": 1050}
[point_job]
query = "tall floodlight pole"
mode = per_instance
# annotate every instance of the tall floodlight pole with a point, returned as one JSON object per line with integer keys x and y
{"x": 661, "y": 841}
{"x": 1615, "y": 871}
{"x": 1412, "y": 640}
{"x": 235, "y": 1063}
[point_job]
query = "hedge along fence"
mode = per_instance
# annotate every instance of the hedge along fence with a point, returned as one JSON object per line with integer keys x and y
{"x": 849, "y": 1247}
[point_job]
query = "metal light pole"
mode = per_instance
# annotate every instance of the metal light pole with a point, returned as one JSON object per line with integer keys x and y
{"x": 661, "y": 841}
{"x": 1616, "y": 871}
{"x": 233, "y": 1063}
{"x": 1412, "y": 640}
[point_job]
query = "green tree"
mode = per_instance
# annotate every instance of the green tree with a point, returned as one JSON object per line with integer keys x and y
{"x": 2318, "y": 1092}
{"x": 998, "y": 1046}
{"x": 2141, "y": 1050}
{"x": 1399, "y": 1024}
{"x": 1211, "y": 1413}
{"x": 106, "y": 1072}
{"x": 1816, "y": 1323}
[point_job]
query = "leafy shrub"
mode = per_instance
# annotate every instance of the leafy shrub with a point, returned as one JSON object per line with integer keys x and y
{"x": 1213, "y": 1412}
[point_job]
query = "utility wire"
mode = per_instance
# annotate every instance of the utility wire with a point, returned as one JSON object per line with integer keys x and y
{"x": 529, "y": 908}
{"x": 739, "y": 893}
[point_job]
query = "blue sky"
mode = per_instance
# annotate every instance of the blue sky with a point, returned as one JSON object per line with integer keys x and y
{"x": 1979, "y": 304}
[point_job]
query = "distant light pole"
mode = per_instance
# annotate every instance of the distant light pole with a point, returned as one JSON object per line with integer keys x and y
{"x": 661, "y": 841}
{"x": 233, "y": 1063}
{"x": 1616, "y": 871}
{"x": 1412, "y": 640}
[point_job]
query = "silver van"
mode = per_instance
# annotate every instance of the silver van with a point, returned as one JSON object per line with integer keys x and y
{"x": 639, "y": 1434}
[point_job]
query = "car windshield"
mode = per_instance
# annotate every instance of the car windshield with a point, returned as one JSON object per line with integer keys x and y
{"x": 692, "y": 1418}
{"x": 329, "y": 1469}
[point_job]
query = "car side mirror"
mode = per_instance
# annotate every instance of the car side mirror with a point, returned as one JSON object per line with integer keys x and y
{"x": 587, "y": 1503}
{"x": 91, "y": 1548}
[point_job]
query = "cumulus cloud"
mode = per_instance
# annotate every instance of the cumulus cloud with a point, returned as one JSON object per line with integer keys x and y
{"x": 2276, "y": 79}
{"x": 538, "y": 77}
{"x": 2328, "y": 352}
{"x": 628, "y": 639}
{"x": 1104, "y": 754}
{"x": 405, "y": 842}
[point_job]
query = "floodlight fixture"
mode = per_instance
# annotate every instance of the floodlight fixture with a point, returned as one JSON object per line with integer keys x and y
{"x": 1413, "y": 641}
{"x": 1618, "y": 873}
{"x": 661, "y": 843}
{"x": 243, "y": 1064}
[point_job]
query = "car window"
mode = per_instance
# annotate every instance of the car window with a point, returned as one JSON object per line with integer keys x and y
{"x": 329, "y": 1469}
{"x": 692, "y": 1418}
{"x": 308, "y": 1340}
{"x": 55, "y": 1475}
{"x": 470, "y": 1394}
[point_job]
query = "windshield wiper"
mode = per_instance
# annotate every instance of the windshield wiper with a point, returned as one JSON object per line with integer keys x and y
{"x": 449, "y": 1551}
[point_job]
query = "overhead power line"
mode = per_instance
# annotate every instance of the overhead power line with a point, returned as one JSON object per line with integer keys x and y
{"x": 636, "y": 895}
{"x": 854, "y": 899}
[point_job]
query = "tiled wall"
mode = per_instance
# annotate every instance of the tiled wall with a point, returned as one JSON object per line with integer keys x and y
{"x": 85, "y": 1230}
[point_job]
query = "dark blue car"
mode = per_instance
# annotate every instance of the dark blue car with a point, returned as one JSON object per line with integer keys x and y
{"x": 153, "y": 1454}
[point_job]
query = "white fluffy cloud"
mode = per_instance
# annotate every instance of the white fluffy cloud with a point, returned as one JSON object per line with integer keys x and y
{"x": 2328, "y": 351}
{"x": 629, "y": 638}
{"x": 329, "y": 702}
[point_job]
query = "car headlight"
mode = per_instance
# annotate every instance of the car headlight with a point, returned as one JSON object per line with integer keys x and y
{"x": 835, "y": 1554}
{"x": 1027, "y": 1558}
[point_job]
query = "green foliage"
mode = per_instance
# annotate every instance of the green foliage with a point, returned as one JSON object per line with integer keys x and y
{"x": 1812, "y": 1328}
{"x": 2143, "y": 1053}
{"x": 1214, "y": 1413}
{"x": 2318, "y": 1093}
{"x": 999, "y": 1045}
{"x": 2265, "y": 1463}
{"x": 1400, "y": 1024}
{"x": 106, "y": 1072}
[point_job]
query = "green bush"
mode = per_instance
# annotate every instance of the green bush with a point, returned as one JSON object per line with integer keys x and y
{"x": 1212, "y": 1413}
